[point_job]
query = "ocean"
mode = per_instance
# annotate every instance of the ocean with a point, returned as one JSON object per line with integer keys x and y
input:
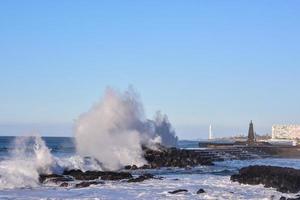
{"x": 67, "y": 144}
{"x": 22, "y": 159}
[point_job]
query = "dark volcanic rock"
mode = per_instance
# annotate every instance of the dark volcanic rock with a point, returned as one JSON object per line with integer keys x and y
{"x": 173, "y": 157}
{"x": 80, "y": 175}
{"x": 286, "y": 180}
{"x": 44, "y": 177}
{"x": 200, "y": 191}
{"x": 284, "y": 198}
{"x": 178, "y": 191}
{"x": 141, "y": 178}
{"x": 64, "y": 184}
{"x": 134, "y": 167}
{"x": 114, "y": 176}
{"x": 55, "y": 178}
{"x": 129, "y": 167}
{"x": 297, "y": 198}
{"x": 92, "y": 175}
{"x": 87, "y": 184}
{"x": 145, "y": 167}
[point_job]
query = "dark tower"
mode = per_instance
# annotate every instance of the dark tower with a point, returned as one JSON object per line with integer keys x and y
{"x": 251, "y": 135}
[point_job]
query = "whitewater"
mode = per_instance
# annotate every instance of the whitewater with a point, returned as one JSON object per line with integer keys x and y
{"x": 19, "y": 169}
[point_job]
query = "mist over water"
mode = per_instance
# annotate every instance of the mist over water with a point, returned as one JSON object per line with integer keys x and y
{"x": 114, "y": 130}
{"x": 164, "y": 129}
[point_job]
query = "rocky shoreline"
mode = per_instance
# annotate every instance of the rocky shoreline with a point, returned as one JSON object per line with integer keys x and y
{"x": 285, "y": 180}
{"x": 172, "y": 157}
{"x": 162, "y": 157}
{"x": 79, "y": 179}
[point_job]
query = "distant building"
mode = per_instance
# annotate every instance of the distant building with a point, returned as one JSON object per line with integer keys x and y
{"x": 282, "y": 142}
{"x": 286, "y": 132}
{"x": 251, "y": 134}
{"x": 210, "y": 136}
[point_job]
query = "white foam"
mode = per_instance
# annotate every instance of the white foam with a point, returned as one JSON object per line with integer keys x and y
{"x": 216, "y": 187}
{"x": 76, "y": 162}
{"x": 28, "y": 159}
{"x": 25, "y": 174}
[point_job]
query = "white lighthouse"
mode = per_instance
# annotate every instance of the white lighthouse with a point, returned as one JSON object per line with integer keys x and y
{"x": 210, "y": 137}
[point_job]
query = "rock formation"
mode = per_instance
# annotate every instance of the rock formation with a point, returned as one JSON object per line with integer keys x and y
{"x": 286, "y": 180}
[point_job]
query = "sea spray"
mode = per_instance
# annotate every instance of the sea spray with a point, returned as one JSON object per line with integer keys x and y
{"x": 164, "y": 129}
{"x": 108, "y": 130}
{"x": 114, "y": 130}
{"x": 29, "y": 158}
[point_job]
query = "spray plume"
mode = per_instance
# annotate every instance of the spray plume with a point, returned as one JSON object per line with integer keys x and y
{"x": 114, "y": 130}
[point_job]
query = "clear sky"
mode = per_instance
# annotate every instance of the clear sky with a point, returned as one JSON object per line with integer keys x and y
{"x": 201, "y": 62}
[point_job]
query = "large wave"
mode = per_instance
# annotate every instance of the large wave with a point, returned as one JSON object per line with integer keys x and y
{"x": 114, "y": 130}
{"x": 28, "y": 158}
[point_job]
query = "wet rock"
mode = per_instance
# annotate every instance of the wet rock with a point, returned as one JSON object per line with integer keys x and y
{"x": 127, "y": 167}
{"x": 55, "y": 178}
{"x": 145, "y": 167}
{"x": 134, "y": 167}
{"x": 114, "y": 176}
{"x": 92, "y": 175}
{"x": 131, "y": 167}
{"x": 200, "y": 191}
{"x": 141, "y": 178}
{"x": 87, "y": 184}
{"x": 296, "y": 198}
{"x": 80, "y": 175}
{"x": 284, "y": 198}
{"x": 173, "y": 157}
{"x": 64, "y": 184}
{"x": 178, "y": 191}
{"x": 286, "y": 180}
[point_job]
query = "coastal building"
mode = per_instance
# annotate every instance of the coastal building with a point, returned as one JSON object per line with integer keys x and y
{"x": 282, "y": 142}
{"x": 291, "y": 132}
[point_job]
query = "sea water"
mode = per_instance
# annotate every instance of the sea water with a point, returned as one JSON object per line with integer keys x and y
{"x": 19, "y": 169}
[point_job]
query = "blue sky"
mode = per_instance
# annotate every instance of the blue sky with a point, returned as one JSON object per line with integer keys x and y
{"x": 201, "y": 62}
